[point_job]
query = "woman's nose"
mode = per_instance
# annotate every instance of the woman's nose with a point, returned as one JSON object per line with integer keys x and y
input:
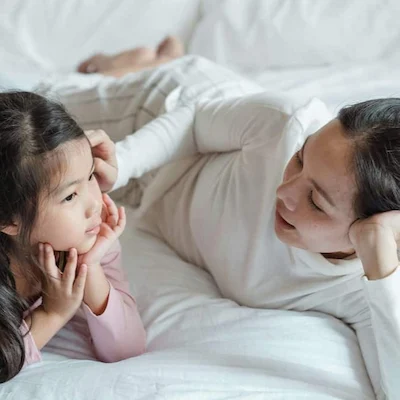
{"x": 288, "y": 193}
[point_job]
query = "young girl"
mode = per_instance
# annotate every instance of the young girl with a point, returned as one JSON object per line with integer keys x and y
{"x": 51, "y": 203}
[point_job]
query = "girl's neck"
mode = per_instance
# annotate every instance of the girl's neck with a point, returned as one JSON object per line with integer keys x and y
{"x": 26, "y": 289}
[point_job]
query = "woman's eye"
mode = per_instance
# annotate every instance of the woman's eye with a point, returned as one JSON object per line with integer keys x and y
{"x": 311, "y": 201}
{"x": 70, "y": 197}
{"x": 298, "y": 159}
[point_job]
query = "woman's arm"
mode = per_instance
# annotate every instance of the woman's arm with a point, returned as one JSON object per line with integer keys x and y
{"x": 375, "y": 241}
{"x": 210, "y": 126}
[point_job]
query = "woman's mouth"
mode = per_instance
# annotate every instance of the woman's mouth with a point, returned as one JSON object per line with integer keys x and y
{"x": 281, "y": 222}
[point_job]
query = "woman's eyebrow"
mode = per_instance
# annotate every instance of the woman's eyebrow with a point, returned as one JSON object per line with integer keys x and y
{"x": 321, "y": 191}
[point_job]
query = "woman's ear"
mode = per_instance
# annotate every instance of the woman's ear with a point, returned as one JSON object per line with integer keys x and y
{"x": 11, "y": 230}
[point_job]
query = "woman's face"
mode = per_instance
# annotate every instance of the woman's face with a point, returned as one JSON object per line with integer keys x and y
{"x": 314, "y": 201}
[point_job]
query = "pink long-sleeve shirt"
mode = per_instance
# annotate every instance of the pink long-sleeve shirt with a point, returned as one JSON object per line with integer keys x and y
{"x": 115, "y": 335}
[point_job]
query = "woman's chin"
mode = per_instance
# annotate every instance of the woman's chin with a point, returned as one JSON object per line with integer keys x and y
{"x": 289, "y": 238}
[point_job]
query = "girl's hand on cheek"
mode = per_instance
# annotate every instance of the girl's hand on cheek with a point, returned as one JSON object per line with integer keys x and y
{"x": 114, "y": 221}
{"x": 62, "y": 291}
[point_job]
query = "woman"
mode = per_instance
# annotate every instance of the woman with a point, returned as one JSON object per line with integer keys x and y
{"x": 283, "y": 210}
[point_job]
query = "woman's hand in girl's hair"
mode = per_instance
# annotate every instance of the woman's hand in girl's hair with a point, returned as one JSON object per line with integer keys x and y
{"x": 114, "y": 221}
{"x": 105, "y": 161}
{"x": 375, "y": 240}
{"x": 62, "y": 291}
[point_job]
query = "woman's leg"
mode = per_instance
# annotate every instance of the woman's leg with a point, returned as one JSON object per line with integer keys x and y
{"x": 133, "y": 60}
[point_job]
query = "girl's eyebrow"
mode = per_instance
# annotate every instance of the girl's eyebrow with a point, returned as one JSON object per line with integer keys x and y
{"x": 61, "y": 188}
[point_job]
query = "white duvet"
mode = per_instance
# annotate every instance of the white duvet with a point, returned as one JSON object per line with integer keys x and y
{"x": 201, "y": 346}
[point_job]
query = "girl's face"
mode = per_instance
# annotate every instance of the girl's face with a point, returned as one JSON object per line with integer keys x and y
{"x": 314, "y": 202}
{"x": 70, "y": 215}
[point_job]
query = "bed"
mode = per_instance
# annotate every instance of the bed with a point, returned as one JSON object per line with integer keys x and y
{"x": 200, "y": 345}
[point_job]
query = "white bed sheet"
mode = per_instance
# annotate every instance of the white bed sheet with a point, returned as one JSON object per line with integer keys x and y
{"x": 336, "y": 85}
{"x": 201, "y": 346}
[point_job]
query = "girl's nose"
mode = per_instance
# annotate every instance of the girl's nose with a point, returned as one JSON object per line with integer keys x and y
{"x": 93, "y": 208}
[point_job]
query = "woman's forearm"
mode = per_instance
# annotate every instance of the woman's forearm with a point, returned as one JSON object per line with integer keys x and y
{"x": 378, "y": 254}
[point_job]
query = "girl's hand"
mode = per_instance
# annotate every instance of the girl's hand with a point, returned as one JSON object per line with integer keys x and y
{"x": 375, "y": 239}
{"x": 105, "y": 161}
{"x": 62, "y": 291}
{"x": 114, "y": 221}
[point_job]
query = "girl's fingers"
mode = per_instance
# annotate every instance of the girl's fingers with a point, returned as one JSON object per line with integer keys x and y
{"x": 121, "y": 221}
{"x": 41, "y": 255}
{"x": 112, "y": 211}
{"x": 80, "y": 281}
{"x": 49, "y": 261}
{"x": 70, "y": 268}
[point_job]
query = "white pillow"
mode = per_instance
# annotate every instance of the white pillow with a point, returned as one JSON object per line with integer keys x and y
{"x": 259, "y": 34}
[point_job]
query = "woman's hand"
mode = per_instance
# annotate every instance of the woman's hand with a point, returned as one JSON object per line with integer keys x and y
{"x": 114, "y": 221}
{"x": 105, "y": 161}
{"x": 62, "y": 291}
{"x": 375, "y": 240}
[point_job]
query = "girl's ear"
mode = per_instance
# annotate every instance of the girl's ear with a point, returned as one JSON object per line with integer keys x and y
{"x": 11, "y": 230}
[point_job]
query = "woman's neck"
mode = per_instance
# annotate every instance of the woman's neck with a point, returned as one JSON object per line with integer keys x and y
{"x": 340, "y": 255}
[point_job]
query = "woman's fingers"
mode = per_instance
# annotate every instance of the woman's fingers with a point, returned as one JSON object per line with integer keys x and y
{"x": 105, "y": 161}
{"x": 101, "y": 144}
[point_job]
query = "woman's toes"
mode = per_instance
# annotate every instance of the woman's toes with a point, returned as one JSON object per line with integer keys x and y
{"x": 96, "y": 63}
{"x": 171, "y": 47}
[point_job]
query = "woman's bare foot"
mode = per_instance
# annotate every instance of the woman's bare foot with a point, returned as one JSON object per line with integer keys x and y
{"x": 171, "y": 47}
{"x": 133, "y": 60}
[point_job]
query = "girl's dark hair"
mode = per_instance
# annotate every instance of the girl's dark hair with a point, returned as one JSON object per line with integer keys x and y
{"x": 30, "y": 127}
{"x": 374, "y": 127}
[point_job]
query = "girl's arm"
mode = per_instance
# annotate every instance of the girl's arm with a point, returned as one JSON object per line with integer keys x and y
{"x": 38, "y": 329}
{"x": 61, "y": 298}
{"x": 221, "y": 125}
{"x": 118, "y": 332}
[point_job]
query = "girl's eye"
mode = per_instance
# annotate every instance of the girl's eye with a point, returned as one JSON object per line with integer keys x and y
{"x": 70, "y": 197}
{"x": 91, "y": 176}
{"x": 311, "y": 201}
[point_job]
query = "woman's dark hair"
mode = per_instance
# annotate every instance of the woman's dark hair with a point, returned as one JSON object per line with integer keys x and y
{"x": 374, "y": 127}
{"x": 30, "y": 127}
